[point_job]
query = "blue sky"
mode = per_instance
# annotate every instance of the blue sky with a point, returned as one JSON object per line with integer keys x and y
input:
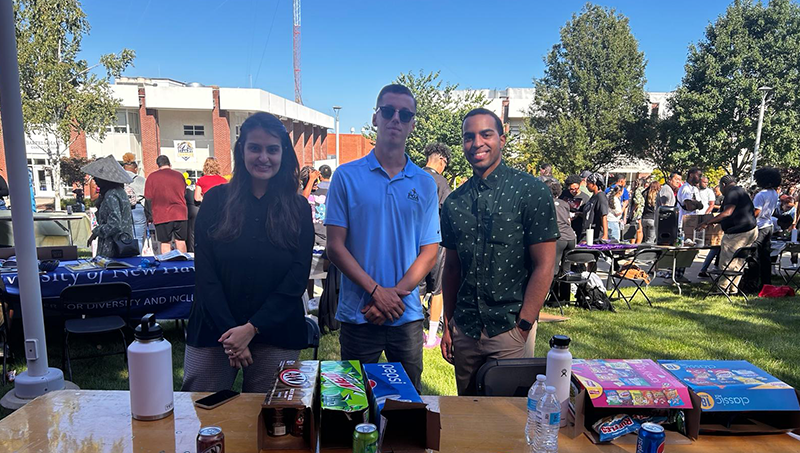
{"x": 350, "y": 49}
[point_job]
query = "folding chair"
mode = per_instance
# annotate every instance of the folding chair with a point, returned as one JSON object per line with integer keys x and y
{"x": 789, "y": 273}
{"x": 577, "y": 256}
{"x": 74, "y": 308}
{"x": 730, "y": 275}
{"x": 313, "y": 335}
{"x": 646, "y": 259}
{"x": 509, "y": 377}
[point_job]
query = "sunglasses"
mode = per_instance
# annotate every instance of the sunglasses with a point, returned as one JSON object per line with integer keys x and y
{"x": 387, "y": 112}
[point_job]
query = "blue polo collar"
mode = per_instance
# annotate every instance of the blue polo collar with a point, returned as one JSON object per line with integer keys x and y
{"x": 373, "y": 163}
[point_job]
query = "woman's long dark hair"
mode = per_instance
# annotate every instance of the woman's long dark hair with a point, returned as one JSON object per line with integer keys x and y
{"x": 282, "y": 219}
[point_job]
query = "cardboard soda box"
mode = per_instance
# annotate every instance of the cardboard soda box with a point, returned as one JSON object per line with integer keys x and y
{"x": 738, "y": 397}
{"x": 404, "y": 421}
{"x": 295, "y": 396}
{"x": 343, "y": 402}
{"x": 389, "y": 381}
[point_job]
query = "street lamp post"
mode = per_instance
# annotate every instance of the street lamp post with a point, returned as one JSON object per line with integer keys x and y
{"x": 336, "y": 109}
{"x": 764, "y": 93}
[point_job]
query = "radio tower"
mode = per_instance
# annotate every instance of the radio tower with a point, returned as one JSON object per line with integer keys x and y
{"x": 298, "y": 85}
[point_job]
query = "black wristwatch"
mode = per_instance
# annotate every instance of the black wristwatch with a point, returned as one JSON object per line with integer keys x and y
{"x": 524, "y": 325}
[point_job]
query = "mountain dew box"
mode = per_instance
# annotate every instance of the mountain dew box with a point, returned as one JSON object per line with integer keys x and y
{"x": 343, "y": 398}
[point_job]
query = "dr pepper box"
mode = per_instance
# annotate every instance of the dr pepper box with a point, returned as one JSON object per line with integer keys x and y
{"x": 343, "y": 400}
{"x": 403, "y": 419}
{"x": 294, "y": 398}
{"x": 632, "y": 387}
{"x": 738, "y": 397}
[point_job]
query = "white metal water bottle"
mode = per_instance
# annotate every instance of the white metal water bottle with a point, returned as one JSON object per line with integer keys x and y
{"x": 534, "y": 395}
{"x": 549, "y": 416}
{"x": 559, "y": 371}
{"x": 150, "y": 371}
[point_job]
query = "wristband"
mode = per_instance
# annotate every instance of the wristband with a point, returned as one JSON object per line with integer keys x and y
{"x": 373, "y": 291}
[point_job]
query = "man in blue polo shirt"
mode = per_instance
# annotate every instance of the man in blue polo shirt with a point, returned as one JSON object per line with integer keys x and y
{"x": 382, "y": 217}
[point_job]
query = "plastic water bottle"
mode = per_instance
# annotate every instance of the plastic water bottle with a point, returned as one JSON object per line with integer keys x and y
{"x": 548, "y": 421}
{"x": 534, "y": 395}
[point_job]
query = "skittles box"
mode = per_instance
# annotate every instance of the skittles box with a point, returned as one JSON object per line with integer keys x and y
{"x": 738, "y": 397}
{"x": 628, "y": 390}
{"x": 343, "y": 402}
{"x": 632, "y": 383}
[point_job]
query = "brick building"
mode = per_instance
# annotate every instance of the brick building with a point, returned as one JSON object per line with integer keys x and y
{"x": 187, "y": 123}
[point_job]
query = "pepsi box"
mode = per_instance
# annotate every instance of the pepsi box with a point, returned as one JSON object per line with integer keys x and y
{"x": 737, "y": 396}
{"x": 404, "y": 421}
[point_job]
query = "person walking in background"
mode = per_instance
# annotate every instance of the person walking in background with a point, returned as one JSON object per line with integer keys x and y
{"x": 499, "y": 230}
{"x": 707, "y": 196}
{"x": 738, "y": 221}
{"x": 595, "y": 212}
{"x": 211, "y": 178}
{"x": 545, "y": 171}
{"x": 615, "y": 213}
{"x": 309, "y": 180}
{"x": 567, "y": 239}
{"x": 114, "y": 216}
{"x": 383, "y": 233}
{"x": 637, "y": 209}
{"x": 192, "y": 209}
{"x": 166, "y": 190}
{"x": 765, "y": 204}
{"x": 666, "y": 196}
{"x": 575, "y": 199}
{"x": 135, "y": 191}
{"x": 649, "y": 213}
{"x": 254, "y": 242}
{"x": 437, "y": 155}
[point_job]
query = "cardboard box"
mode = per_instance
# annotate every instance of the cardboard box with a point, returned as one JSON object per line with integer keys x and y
{"x": 611, "y": 387}
{"x": 404, "y": 421}
{"x": 713, "y": 233}
{"x": 343, "y": 402}
{"x": 295, "y": 395}
{"x": 738, "y": 397}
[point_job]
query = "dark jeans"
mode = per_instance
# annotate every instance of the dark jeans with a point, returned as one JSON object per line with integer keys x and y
{"x": 764, "y": 245}
{"x": 366, "y": 342}
{"x": 562, "y": 247}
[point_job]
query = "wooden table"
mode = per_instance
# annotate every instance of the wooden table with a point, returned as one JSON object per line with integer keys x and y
{"x": 99, "y": 421}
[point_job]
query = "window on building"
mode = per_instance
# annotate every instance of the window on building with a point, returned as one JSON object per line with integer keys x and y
{"x": 133, "y": 122}
{"x": 189, "y": 129}
{"x": 654, "y": 109}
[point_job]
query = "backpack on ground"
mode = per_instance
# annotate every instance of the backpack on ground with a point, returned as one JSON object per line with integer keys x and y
{"x": 592, "y": 298}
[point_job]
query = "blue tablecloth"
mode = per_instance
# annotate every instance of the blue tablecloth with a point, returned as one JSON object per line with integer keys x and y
{"x": 167, "y": 290}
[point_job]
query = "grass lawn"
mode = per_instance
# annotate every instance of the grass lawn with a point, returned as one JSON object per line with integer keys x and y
{"x": 765, "y": 332}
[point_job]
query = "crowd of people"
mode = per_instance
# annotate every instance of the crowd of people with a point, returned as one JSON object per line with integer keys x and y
{"x": 486, "y": 252}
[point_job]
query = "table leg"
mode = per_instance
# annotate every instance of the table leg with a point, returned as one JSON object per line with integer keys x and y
{"x": 674, "y": 269}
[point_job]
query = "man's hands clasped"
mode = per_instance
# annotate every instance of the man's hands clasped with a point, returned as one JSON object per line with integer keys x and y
{"x": 386, "y": 305}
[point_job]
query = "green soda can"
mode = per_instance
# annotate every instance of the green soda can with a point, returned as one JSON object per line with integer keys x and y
{"x": 365, "y": 438}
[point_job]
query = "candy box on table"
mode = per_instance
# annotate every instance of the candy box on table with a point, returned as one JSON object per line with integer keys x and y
{"x": 295, "y": 393}
{"x": 344, "y": 403}
{"x": 638, "y": 388}
{"x": 404, "y": 421}
{"x": 738, "y": 397}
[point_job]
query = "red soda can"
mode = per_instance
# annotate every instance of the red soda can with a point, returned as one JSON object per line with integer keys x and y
{"x": 651, "y": 438}
{"x": 210, "y": 439}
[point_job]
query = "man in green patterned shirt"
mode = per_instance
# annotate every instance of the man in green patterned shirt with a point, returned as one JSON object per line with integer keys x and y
{"x": 499, "y": 231}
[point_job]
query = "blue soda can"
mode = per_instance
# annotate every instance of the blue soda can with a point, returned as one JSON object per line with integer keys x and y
{"x": 651, "y": 438}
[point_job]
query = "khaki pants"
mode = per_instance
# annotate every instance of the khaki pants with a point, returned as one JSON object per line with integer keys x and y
{"x": 470, "y": 354}
{"x": 729, "y": 245}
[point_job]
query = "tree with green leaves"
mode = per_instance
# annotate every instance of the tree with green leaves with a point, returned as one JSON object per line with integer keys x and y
{"x": 593, "y": 87}
{"x": 60, "y": 92}
{"x": 716, "y": 107}
{"x": 440, "y": 109}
